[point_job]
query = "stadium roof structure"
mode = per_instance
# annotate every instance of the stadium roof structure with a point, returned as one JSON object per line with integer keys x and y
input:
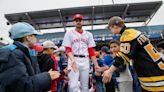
{"x": 93, "y": 15}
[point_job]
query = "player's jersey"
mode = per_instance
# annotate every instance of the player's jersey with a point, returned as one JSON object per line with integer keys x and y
{"x": 79, "y": 42}
{"x": 148, "y": 63}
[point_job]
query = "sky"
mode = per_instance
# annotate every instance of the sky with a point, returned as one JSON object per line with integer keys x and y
{"x": 17, "y": 6}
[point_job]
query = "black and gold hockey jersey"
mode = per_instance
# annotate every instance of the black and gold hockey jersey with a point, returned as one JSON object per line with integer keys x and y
{"x": 148, "y": 63}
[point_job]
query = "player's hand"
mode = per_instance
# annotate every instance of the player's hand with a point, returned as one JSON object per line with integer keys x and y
{"x": 66, "y": 78}
{"x": 106, "y": 76}
{"x": 54, "y": 74}
{"x": 74, "y": 66}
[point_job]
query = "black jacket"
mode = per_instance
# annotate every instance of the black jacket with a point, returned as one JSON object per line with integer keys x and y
{"x": 45, "y": 62}
{"x": 19, "y": 71}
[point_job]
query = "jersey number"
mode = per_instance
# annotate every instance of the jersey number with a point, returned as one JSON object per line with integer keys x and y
{"x": 125, "y": 47}
{"x": 154, "y": 54}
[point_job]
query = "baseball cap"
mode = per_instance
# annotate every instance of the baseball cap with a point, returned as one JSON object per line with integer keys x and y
{"x": 105, "y": 49}
{"x": 78, "y": 16}
{"x": 21, "y": 29}
{"x": 49, "y": 44}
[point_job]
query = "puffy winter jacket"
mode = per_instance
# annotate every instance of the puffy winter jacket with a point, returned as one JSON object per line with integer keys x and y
{"x": 19, "y": 71}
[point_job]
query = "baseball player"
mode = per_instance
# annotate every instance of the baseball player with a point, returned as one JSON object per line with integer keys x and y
{"x": 79, "y": 47}
{"x": 148, "y": 62}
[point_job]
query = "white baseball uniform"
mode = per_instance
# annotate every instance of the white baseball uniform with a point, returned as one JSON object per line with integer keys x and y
{"x": 79, "y": 43}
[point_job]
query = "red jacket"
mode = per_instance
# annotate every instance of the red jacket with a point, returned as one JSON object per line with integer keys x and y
{"x": 54, "y": 83}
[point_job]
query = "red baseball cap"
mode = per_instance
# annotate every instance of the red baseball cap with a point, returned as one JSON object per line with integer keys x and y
{"x": 78, "y": 16}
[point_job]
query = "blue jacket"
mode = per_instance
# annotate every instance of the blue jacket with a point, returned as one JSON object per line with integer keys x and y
{"x": 19, "y": 71}
{"x": 108, "y": 60}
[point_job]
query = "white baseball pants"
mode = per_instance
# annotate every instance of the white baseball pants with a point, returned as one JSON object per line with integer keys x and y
{"x": 82, "y": 74}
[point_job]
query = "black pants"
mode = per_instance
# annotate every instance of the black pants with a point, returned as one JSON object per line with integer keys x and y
{"x": 110, "y": 87}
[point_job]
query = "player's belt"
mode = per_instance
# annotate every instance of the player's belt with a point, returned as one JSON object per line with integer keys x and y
{"x": 82, "y": 56}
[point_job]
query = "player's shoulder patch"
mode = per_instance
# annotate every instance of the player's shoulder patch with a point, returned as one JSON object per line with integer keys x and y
{"x": 129, "y": 35}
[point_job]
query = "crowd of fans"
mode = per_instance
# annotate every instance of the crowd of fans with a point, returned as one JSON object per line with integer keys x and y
{"x": 49, "y": 71}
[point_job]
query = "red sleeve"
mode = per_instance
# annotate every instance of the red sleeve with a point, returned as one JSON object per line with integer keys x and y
{"x": 68, "y": 49}
{"x": 91, "y": 51}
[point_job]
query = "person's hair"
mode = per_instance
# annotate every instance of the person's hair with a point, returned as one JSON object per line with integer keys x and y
{"x": 116, "y": 21}
{"x": 17, "y": 39}
{"x": 114, "y": 41}
{"x": 20, "y": 39}
{"x": 44, "y": 49}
